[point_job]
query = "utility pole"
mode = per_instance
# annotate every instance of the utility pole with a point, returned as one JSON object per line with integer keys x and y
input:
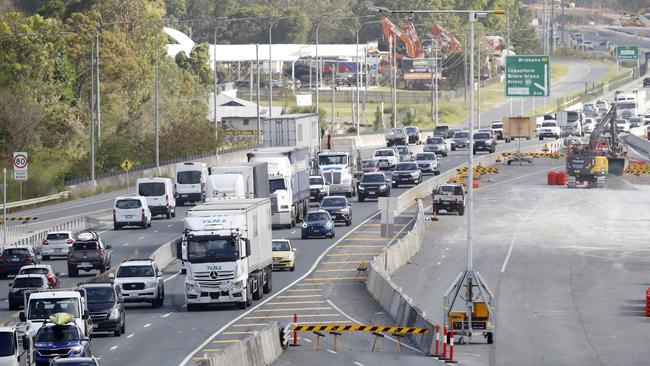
{"x": 270, "y": 71}
{"x": 394, "y": 83}
{"x": 98, "y": 115}
{"x": 434, "y": 70}
{"x": 478, "y": 105}
{"x": 4, "y": 208}
{"x": 92, "y": 111}
{"x": 157, "y": 110}
{"x": 214, "y": 93}
{"x": 334, "y": 67}
{"x": 563, "y": 25}
{"x": 257, "y": 94}
{"x": 465, "y": 65}
{"x": 550, "y": 26}
{"x": 437, "y": 92}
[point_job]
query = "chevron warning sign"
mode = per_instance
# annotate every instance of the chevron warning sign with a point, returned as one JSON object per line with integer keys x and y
{"x": 637, "y": 169}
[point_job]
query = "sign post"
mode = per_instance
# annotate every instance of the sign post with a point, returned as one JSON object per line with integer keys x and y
{"x": 127, "y": 165}
{"x": 4, "y": 207}
{"x": 626, "y": 53}
{"x": 528, "y": 76}
{"x": 21, "y": 165}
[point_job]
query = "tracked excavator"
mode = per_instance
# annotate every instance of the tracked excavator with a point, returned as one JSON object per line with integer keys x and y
{"x": 603, "y": 154}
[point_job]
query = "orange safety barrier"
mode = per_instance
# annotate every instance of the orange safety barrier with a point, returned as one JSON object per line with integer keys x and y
{"x": 647, "y": 302}
{"x": 561, "y": 178}
{"x": 550, "y": 179}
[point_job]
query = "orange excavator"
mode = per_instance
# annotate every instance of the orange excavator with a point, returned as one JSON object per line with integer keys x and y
{"x": 407, "y": 34}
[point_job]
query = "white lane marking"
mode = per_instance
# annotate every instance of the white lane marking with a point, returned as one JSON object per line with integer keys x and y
{"x": 140, "y": 238}
{"x": 437, "y": 264}
{"x": 126, "y": 244}
{"x": 155, "y": 231}
{"x": 63, "y": 274}
{"x": 520, "y": 224}
{"x": 130, "y": 335}
{"x": 147, "y": 325}
{"x": 355, "y": 321}
{"x": 358, "y": 363}
{"x": 172, "y": 276}
{"x": 293, "y": 232}
{"x": 114, "y": 348}
{"x": 330, "y": 351}
{"x": 101, "y": 232}
{"x": 169, "y": 225}
{"x": 306, "y": 340}
{"x": 252, "y": 309}
{"x": 166, "y": 315}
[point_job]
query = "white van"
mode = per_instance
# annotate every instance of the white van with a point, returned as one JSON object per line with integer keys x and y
{"x": 131, "y": 211}
{"x": 189, "y": 182}
{"x": 159, "y": 193}
{"x": 225, "y": 186}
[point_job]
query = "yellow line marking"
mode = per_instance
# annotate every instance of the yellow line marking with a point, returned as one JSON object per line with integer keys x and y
{"x": 313, "y": 284}
{"x": 337, "y": 270}
{"x": 297, "y": 296}
{"x": 295, "y": 302}
{"x": 350, "y": 254}
{"x": 382, "y": 224}
{"x": 335, "y": 278}
{"x": 361, "y": 246}
{"x": 367, "y": 231}
{"x": 290, "y": 316}
{"x": 341, "y": 262}
{"x": 210, "y": 350}
{"x": 364, "y": 238}
{"x": 238, "y": 332}
{"x": 227, "y": 341}
{"x": 250, "y": 325}
{"x": 291, "y": 309}
{"x": 305, "y": 290}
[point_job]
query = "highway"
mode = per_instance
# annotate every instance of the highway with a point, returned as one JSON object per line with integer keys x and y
{"x": 182, "y": 331}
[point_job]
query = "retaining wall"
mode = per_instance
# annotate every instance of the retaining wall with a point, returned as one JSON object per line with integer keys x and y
{"x": 261, "y": 349}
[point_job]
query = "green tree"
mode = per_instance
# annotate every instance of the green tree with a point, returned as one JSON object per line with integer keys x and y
{"x": 378, "y": 121}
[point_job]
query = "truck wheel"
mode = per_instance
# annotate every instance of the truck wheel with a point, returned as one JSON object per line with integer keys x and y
{"x": 361, "y": 198}
{"x": 116, "y": 226}
{"x": 249, "y": 292}
{"x": 168, "y": 215}
{"x": 395, "y": 185}
{"x": 490, "y": 338}
{"x": 12, "y": 306}
{"x": 541, "y": 138}
{"x": 268, "y": 286}
{"x": 461, "y": 211}
{"x": 46, "y": 257}
{"x": 174, "y": 212}
{"x": 257, "y": 294}
{"x": 195, "y": 307}
{"x": 72, "y": 272}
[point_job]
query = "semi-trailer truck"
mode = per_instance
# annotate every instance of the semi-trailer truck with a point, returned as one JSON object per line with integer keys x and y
{"x": 255, "y": 177}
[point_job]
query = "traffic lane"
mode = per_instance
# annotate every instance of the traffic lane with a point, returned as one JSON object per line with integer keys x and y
{"x": 192, "y": 328}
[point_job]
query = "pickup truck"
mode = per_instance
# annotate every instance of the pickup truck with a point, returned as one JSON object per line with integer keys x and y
{"x": 396, "y": 137}
{"x": 88, "y": 253}
{"x": 449, "y": 197}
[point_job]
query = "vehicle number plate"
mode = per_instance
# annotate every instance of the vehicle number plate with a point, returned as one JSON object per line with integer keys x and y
{"x": 85, "y": 264}
{"x": 58, "y": 250}
{"x": 184, "y": 195}
{"x": 316, "y": 230}
{"x": 15, "y": 259}
{"x": 128, "y": 216}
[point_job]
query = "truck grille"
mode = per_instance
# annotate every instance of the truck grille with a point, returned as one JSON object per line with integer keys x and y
{"x": 54, "y": 352}
{"x": 333, "y": 177}
{"x": 133, "y": 286}
{"x": 208, "y": 280}
{"x": 274, "y": 204}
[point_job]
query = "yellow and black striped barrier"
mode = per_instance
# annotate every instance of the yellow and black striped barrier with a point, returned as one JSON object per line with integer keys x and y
{"x": 638, "y": 169}
{"x": 535, "y": 155}
{"x": 359, "y": 328}
{"x": 479, "y": 169}
{"x": 22, "y": 219}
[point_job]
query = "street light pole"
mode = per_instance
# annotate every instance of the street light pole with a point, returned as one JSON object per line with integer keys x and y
{"x": 270, "y": 71}
{"x": 318, "y": 67}
{"x": 157, "y": 110}
{"x": 214, "y": 93}
{"x": 365, "y": 53}
{"x": 257, "y": 94}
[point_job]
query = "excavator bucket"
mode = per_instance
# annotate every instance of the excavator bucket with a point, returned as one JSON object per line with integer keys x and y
{"x": 616, "y": 166}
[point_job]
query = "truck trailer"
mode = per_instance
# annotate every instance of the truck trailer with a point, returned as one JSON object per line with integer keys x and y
{"x": 255, "y": 177}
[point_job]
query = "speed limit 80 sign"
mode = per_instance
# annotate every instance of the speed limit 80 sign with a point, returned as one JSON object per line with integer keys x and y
{"x": 21, "y": 164}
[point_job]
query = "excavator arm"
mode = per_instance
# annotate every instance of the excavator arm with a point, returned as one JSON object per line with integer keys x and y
{"x": 614, "y": 152}
{"x": 406, "y": 34}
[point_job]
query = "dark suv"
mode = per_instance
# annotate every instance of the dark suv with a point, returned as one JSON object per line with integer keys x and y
{"x": 339, "y": 208}
{"x": 31, "y": 282}
{"x": 443, "y": 131}
{"x": 406, "y": 173}
{"x": 106, "y": 307}
{"x": 373, "y": 185}
{"x": 12, "y": 259}
{"x": 88, "y": 253}
{"x": 483, "y": 142}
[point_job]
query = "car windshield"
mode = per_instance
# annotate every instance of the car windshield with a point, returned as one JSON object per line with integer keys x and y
{"x": 276, "y": 184}
{"x": 97, "y": 295}
{"x": 58, "y": 333}
{"x": 318, "y": 216}
{"x": 58, "y": 236}
{"x": 151, "y": 189}
{"x": 411, "y": 130}
{"x": 441, "y": 129}
{"x": 189, "y": 177}
{"x": 34, "y": 270}
{"x": 280, "y": 246}
{"x": 206, "y": 249}
{"x": 425, "y": 156}
{"x": 385, "y": 153}
{"x": 406, "y": 166}
{"x": 334, "y": 202}
{"x": 7, "y": 346}
{"x": 332, "y": 160}
{"x": 135, "y": 271}
{"x": 434, "y": 140}
{"x": 368, "y": 164}
{"x": 128, "y": 204}
{"x": 403, "y": 150}
{"x": 396, "y": 131}
{"x": 497, "y": 125}
{"x": 15, "y": 252}
{"x": 43, "y": 308}
{"x": 372, "y": 178}
{"x": 85, "y": 245}
{"x": 482, "y": 136}
{"x": 25, "y": 282}
{"x": 461, "y": 135}
{"x": 455, "y": 190}
{"x": 316, "y": 180}
{"x": 549, "y": 124}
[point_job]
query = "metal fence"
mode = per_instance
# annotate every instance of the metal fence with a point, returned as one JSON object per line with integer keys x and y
{"x": 35, "y": 239}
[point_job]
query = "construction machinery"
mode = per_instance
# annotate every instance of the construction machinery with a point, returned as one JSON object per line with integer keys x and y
{"x": 603, "y": 154}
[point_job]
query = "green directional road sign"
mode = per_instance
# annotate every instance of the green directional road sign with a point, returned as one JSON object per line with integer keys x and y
{"x": 528, "y": 76}
{"x": 627, "y": 53}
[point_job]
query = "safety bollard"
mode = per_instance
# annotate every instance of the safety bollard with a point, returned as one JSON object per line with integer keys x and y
{"x": 647, "y": 302}
{"x": 295, "y": 334}
{"x": 444, "y": 344}
{"x": 437, "y": 340}
{"x": 451, "y": 347}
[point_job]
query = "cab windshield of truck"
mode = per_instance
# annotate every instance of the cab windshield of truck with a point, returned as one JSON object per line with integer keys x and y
{"x": 7, "y": 346}
{"x": 28, "y": 282}
{"x": 316, "y": 181}
{"x": 626, "y": 105}
{"x": 549, "y": 124}
{"x": 43, "y": 308}
{"x": 151, "y": 189}
{"x": 332, "y": 160}
{"x": 99, "y": 295}
{"x": 189, "y": 177}
{"x": 452, "y": 190}
{"x": 207, "y": 249}
{"x": 276, "y": 184}
{"x": 572, "y": 116}
{"x": 58, "y": 333}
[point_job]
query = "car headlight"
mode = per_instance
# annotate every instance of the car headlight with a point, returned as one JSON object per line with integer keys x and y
{"x": 191, "y": 287}
{"x": 237, "y": 285}
{"x": 151, "y": 284}
{"x": 362, "y": 188}
{"x": 345, "y": 210}
{"x": 76, "y": 349}
{"x": 488, "y": 142}
{"x": 115, "y": 314}
{"x": 304, "y": 225}
{"x": 328, "y": 225}
{"x": 383, "y": 186}
{"x": 414, "y": 174}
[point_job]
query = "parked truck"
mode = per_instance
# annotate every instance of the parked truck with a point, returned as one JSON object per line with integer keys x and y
{"x": 288, "y": 180}
{"x": 519, "y": 127}
{"x": 289, "y": 130}
{"x": 255, "y": 177}
{"x": 226, "y": 247}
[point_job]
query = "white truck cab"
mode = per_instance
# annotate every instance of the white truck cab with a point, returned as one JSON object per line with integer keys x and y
{"x": 337, "y": 168}
{"x": 39, "y": 305}
{"x": 16, "y": 347}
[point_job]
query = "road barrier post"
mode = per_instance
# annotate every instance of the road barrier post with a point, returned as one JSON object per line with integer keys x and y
{"x": 647, "y": 302}
{"x": 319, "y": 335}
{"x": 336, "y": 339}
{"x": 451, "y": 347}
{"x": 295, "y": 333}
{"x": 444, "y": 344}
{"x": 377, "y": 343}
{"x": 437, "y": 341}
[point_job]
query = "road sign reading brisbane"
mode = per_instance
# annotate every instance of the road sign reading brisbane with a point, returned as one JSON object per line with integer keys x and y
{"x": 528, "y": 76}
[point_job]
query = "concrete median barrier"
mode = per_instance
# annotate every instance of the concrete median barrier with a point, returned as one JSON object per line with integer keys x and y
{"x": 261, "y": 349}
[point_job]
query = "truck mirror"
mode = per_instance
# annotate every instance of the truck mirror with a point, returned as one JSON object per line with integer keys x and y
{"x": 22, "y": 317}
{"x": 10, "y": 283}
{"x": 179, "y": 249}
{"x": 27, "y": 342}
{"x": 108, "y": 247}
{"x": 248, "y": 247}
{"x": 86, "y": 315}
